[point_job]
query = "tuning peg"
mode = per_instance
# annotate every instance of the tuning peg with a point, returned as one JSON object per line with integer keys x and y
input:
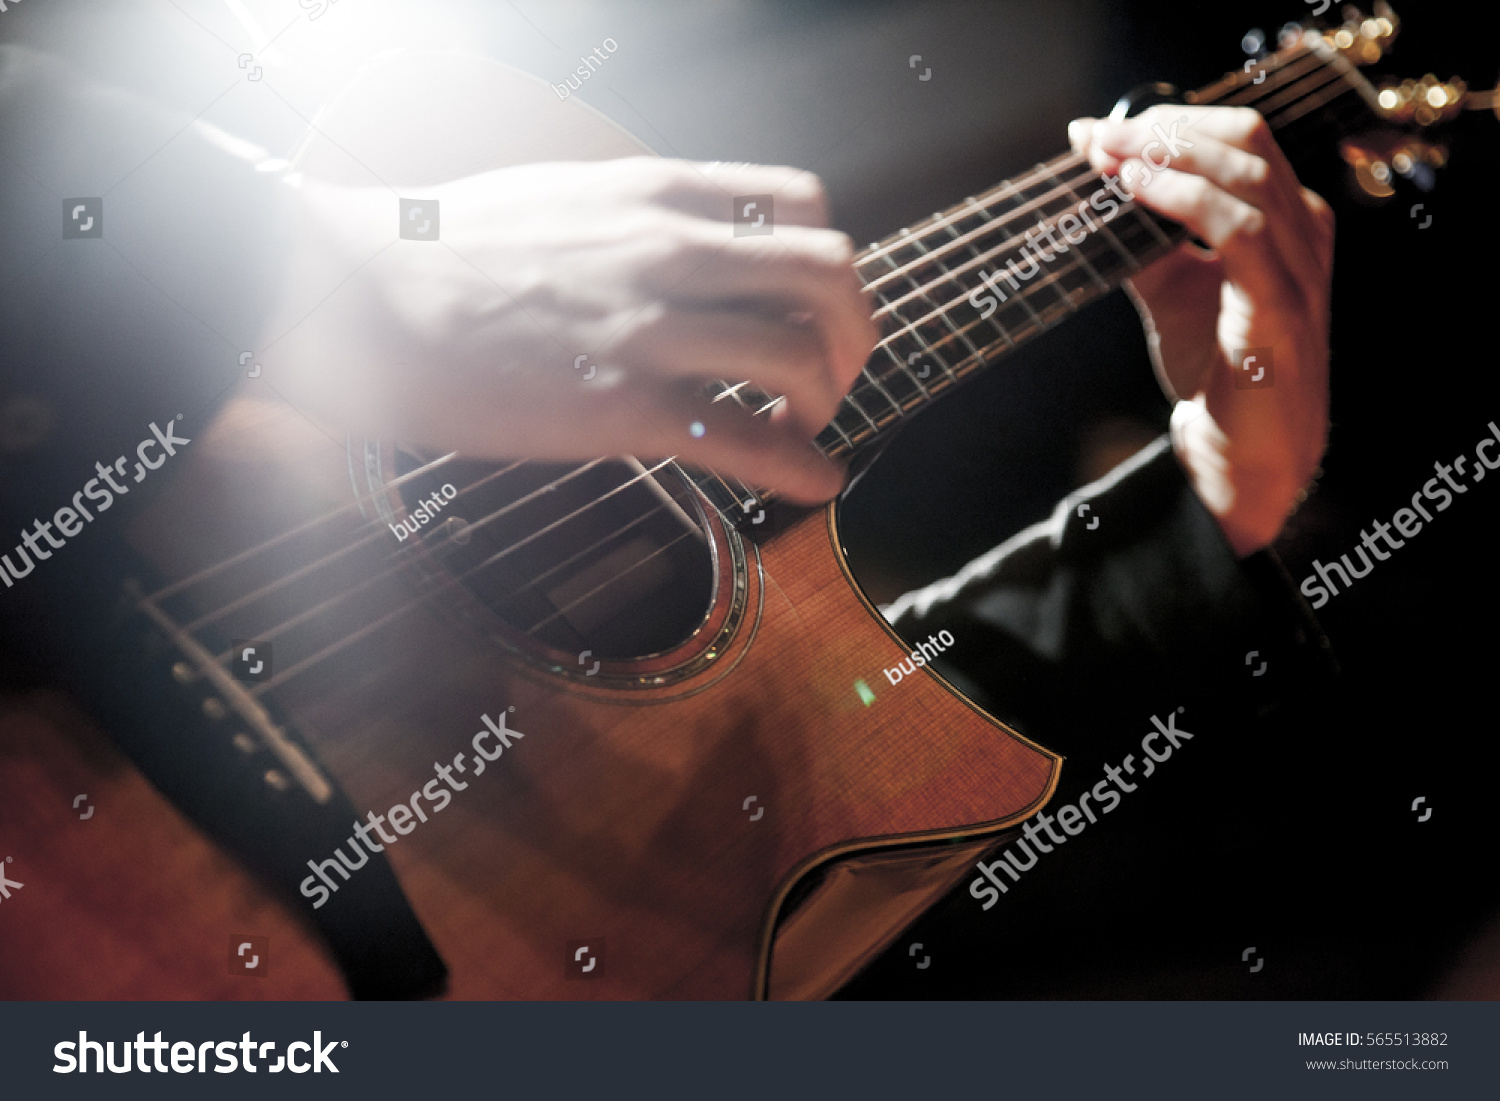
{"x": 1363, "y": 39}
{"x": 1254, "y": 43}
{"x": 1416, "y": 170}
{"x": 1376, "y": 159}
{"x": 1425, "y": 102}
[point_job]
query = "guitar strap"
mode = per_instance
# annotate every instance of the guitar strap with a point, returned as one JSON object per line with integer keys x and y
{"x": 120, "y": 666}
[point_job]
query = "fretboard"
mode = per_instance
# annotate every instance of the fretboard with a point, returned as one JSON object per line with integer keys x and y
{"x": 962, "y": 289}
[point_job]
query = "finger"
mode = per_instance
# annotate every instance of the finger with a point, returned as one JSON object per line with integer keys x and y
{"x": 1080, "y": 133}
{"x": 732, "y": 441}
{"x": 1323, "y": 217}
{"x": 1246, "y": 175}
{"x": 796, "y": 269}
{"x": 718, "y": 191}
{"x": 1178, "y": 301}
{"x": 1247, "y": 129}
{"x": 1239, "y": 231}
{"x": 779, "y": 356}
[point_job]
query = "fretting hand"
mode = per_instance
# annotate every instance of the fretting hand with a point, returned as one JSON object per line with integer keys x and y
{"x": 1266, "y": 284}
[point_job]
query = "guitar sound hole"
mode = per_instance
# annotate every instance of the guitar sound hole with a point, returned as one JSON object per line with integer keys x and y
{"x": 572, "y": 557}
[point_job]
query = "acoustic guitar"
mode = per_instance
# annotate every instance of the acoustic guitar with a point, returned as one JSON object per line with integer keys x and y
{"x": 627, "y": 728}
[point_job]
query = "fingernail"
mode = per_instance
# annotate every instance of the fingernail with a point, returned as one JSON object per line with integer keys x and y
{"x": 1078, "y": 130}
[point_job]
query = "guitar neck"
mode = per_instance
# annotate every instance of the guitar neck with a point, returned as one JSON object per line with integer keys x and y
{"x": 964, "y": 288}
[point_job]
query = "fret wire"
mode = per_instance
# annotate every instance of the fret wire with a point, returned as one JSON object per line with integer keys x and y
{"x": 892, "y": 242}
{"x": 1054, "y": 276}
{"x": 1143, "y": 215}
{"x": 865, "y": 371}
{"x": 849, "y": 399}
{"x": 1017, "y": 239}
{"x": 930, "y": 351}
{"x": 1109, "y": 235}
{"x": 1285, "y": 102}
{"x": 834, "y": 424}
{"x": 979, "y": 260}
{"x": 896, "y": 405}
{"x": 732, "y": 392}
{"x": 939, "y": 310}
{"x": 1266, "y": 96}
{"x": 946, "y": 319}
{"x": 1012, "y": 215}
{"x": 896, "y": 359}
{"x": 1009, "y": 341}
{"x": 1020, "y": 295}
{"x": 1082, "y": 259}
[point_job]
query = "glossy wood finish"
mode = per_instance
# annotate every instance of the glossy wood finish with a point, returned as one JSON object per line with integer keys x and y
{"x": 617, "y": 816}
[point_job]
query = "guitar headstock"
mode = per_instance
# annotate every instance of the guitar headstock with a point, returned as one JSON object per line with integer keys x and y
{"x": 1403, "y": 115}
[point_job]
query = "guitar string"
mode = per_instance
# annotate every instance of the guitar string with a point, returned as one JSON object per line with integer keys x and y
{"x": 287, "y": 673}
{"x": 328, "y": 559}
{"x": 1069, "y": 187}
{"x": 275, "y": 630}
{"x": 1010, "y": 216}
{"x": 1055, "y": 276}
{"x": 1295, "y": 78}
{"x": 1064, "y": 162}
{"x": 1264, "y": 91}
{"x": 272, "y": 632}
{"x": 358, "y": 502}
{"x": 568, "y": 607}
{"x": 445, "y": 584}
{"x": 420, "y": 602}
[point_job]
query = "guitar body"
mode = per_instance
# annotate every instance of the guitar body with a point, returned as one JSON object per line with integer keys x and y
{"x": 658, "y": 807}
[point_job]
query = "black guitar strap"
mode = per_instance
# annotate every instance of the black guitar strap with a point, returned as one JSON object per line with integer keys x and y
{"x": 119, "y": 665}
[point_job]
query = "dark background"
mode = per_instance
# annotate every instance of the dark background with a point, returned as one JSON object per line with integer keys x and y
{"x": 1293, "y": 835}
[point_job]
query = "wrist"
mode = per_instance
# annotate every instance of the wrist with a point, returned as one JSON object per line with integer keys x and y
{"x": 1250, "y": 504}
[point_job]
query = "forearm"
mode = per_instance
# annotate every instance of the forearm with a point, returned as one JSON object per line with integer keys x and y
{"x": 1141, "y": 594}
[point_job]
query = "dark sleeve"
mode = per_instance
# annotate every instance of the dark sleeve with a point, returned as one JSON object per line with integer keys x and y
{"x": 146, "y": 314}
{"x": 142, "y": 319}
{"x": 1128, "y": 595}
